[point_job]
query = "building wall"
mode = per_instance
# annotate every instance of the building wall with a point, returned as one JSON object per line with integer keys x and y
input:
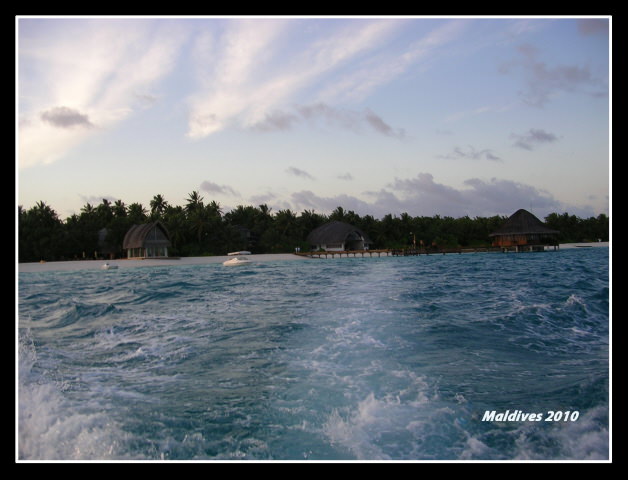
{"x": 515, "y": 240}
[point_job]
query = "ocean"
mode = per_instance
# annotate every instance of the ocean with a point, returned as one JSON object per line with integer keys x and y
{"x": 480, "y": 356}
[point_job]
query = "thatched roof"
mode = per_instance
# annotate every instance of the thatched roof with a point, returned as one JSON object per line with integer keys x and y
{"x": 146, "y": 235}
{"x": 523, "y": 222}
{"x": 334, "y": 232}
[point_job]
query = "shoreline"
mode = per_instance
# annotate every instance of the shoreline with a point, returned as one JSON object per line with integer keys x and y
{"x": 70, "y": 265}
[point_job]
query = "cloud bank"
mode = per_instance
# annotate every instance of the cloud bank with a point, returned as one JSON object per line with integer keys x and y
{"x": 423, "y": 195}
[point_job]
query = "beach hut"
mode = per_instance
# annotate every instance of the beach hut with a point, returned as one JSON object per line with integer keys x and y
{"x": 149, "y": 240}
{"x": 524, "y": 232}
{"x": 338, "y": 237}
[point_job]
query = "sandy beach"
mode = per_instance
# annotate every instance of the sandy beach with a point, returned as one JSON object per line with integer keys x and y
{"x": 125, "y": 263}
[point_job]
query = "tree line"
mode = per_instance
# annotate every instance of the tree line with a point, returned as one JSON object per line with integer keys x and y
{"x": 199, "y": 228}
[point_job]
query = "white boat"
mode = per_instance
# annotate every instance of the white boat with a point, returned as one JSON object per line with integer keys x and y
{"x": 237, "y": 261}
{"x": 106, "y": 266}
{"x": 241, "y": 252}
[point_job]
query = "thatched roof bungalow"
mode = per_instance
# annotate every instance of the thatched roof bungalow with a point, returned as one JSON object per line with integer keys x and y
{"x": 337, "y": 237}
{"x": 524, "y": 231}
{"x": 149, "y": 240}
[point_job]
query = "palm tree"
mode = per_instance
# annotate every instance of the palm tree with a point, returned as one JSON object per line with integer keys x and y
{"x": 105, "y": 212}
{"x": 194, "y": 202}
{"x": 41, "y": 234}
{"x": 158, "y": 206}
{"x": 175, "y": 222}
{"x": 137, "y": 213}
{"x": 119, "y": 209}
{"x": 214, "y": 209}
{"x": 200, "y": 221}
{"x": 338, "y": 214}
{"x": 87, "y": 209}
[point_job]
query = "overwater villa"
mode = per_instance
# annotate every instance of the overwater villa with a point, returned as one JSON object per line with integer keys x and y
{"x": 524, "y": 232}
{"x": 337, "y": 237}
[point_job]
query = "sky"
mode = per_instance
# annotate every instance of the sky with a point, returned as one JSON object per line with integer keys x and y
{"x": 447, "y": 116}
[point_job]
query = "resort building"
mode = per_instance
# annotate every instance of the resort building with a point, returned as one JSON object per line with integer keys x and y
{"x": 524, "y": 232}
{"x": 149, "y": 240}
{"x": 338, "y": 237}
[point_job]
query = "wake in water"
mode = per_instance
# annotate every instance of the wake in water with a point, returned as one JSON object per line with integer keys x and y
{"x": 51, "y": 427}
{"x": 358, "y": 359}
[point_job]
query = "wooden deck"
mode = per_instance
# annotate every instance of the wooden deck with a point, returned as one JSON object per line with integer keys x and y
{"x": 411, "y": 252}
{"x": 346, "y": 253}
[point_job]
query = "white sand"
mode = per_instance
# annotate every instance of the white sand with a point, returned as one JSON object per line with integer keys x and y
{"x": 584, "y": 245}
{"x": 124, "y": 263}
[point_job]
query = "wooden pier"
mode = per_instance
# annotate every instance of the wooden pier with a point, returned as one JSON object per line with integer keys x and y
{"x": 413, "y": 252}
{"x": 346, "y": 253}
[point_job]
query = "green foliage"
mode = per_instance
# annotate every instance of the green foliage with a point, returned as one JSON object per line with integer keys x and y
{"x": 200, "y": 228}
{"x": 574, "y": 229}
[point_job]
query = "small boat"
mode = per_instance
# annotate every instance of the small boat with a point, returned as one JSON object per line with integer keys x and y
{"x": 237, "y": 261}
{"x": 242, "y": 252}
{"x": 107, "y": 266}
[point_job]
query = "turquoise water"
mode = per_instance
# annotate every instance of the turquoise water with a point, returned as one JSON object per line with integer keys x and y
{"x": 344, "y": 359}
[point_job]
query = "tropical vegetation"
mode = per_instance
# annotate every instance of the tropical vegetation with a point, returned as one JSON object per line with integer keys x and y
{"x": 198, "y": 228}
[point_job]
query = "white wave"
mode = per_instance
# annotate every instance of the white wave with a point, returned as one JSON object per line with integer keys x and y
{"x": 355, "y": 430}
{"x": 50, "y": 428}
{"x": 584, "y": 439}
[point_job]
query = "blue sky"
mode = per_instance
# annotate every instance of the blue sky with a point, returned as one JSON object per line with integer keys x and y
{"x": 451, "y": 115}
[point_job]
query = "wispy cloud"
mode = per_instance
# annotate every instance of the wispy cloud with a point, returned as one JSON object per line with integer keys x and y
{"x": 471, "y": 153}
{"x": 254, "y": 75}
{"x": 543, "y": 81}
{"x": 380, "y": 69}
{"x": 212, "y": 187}
{"x": 81, "y": 74}
{"x": 297, "y": 172}
{"x": 532, "y": 138}
{"x": 239, "y": 73}
{"x": 356, "y": 121}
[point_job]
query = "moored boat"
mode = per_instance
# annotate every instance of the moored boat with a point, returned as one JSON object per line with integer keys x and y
{"x": 237, "y": 261}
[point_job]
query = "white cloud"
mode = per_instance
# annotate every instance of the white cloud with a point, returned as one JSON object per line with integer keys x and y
{"x": 75, "y": 73}
{"x": 380, "y": 69}
{"x": 255, "y": 76}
